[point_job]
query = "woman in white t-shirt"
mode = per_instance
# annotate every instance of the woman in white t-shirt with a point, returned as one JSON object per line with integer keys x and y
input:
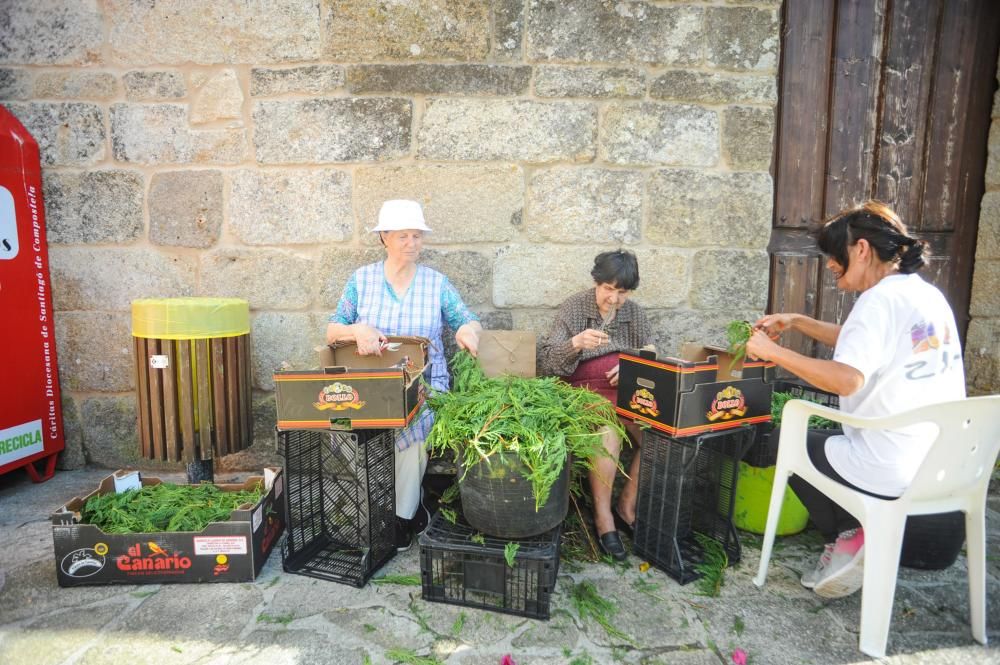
{"x": 897, "y": 350}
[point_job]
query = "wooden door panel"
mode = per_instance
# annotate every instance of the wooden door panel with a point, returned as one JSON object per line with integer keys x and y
{"x": 854, "y": 105}
{"x": 834, "y": 304}
{"x": 948, "y": 116}
{"x": 909, "y": 65}
{"x": 801, "y": 144}
{"x": 886, "y": 99}
{"x": 794, "y": 290}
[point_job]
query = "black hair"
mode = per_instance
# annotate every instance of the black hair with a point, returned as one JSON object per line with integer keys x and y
{"x": 881, "y": 227}
{"x": 619, "y": 268}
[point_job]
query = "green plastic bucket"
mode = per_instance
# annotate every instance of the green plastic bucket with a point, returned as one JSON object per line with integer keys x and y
{"x": 753, "y": 495}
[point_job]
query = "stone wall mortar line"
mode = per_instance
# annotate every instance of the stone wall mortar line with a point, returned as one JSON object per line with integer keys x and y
{"x": 418, "y": 107}
{"x": 587, "y": 170}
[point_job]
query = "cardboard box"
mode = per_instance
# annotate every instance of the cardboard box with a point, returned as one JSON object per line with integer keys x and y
{"x": 507, "y": 353}
{"x": 695, "y": 393}
{"x": 233, "y": 551}
{"x": 350, "y": 391}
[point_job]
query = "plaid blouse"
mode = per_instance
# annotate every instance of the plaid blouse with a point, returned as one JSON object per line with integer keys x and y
{"x": 629, "y": 329}
{"x": 429, "y": 303}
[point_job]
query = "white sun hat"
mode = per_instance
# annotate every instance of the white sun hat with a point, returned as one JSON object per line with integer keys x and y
{"x": 400, "y": 215}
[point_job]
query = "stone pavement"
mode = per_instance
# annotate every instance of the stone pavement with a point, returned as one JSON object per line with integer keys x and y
{"x": 289, "y": 619}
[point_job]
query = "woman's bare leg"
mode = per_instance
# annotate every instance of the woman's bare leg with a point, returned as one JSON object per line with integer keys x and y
{"x": 630, "y": 492}
{"x": 602, "y": 480}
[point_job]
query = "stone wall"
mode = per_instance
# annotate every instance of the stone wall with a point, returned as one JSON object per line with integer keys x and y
{"x": 982, "y": 344}
{"x": 242, "y": 149}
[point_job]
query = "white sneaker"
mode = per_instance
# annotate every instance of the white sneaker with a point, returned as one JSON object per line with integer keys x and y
{"x": 846, "y": 571}
{"x": 421, "y": 518}
{"x": 810, "y": 579}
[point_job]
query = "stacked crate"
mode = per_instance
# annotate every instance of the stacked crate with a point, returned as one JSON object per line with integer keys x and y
{"x": 339, "y": 503}
{"x": 336, "y": 430}
{"x": 687, "y": 486}
{"x": 461, "y": 566}
{"x": 700, "y": 412}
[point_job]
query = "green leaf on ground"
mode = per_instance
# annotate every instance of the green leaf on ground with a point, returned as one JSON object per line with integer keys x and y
{"x": 402, "y": 580}
{"x": 283, "y": 619}
{"x": 456, "y": 628}
{"x": 410, "y": 657}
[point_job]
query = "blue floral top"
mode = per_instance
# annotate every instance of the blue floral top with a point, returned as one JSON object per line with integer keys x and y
{"x": 428, "y": 305}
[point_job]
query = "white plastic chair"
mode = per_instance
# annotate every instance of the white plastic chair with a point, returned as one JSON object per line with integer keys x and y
{"x": 954, "y": 476}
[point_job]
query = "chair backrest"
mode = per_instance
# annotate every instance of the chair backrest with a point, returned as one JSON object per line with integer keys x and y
{"x": 965, "y": 450}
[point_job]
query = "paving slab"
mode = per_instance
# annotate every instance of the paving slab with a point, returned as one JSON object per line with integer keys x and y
{"x": 287, "y": 619}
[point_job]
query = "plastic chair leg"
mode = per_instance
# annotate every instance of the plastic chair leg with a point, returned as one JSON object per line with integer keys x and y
{"x": 975, "y": 536}
{"x": 883, "y": 541}
{"x": 773, "y": 514}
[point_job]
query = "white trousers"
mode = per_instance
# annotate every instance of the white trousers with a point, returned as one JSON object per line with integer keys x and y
{"x": 410, "y": 466}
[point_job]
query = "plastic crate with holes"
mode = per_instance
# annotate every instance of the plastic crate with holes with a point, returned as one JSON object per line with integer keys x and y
{"x": 461, "y": 566}
{"x": 764, "y": 451}
{"x": 339, "y": 503}
{"x": 687, "y": 486}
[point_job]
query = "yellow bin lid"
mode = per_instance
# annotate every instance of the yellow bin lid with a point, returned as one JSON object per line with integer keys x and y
{"x": 190, "y": 318}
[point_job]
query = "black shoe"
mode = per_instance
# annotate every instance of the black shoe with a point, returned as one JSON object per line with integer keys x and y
{"x": 622, "y": 525}
{"x": 404, "y": 534}
{"x": 612, "y": 545}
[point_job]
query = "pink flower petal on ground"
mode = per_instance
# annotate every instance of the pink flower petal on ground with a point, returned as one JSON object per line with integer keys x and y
{"x": 507, "y": 660}
{"x": 739, "y": 657}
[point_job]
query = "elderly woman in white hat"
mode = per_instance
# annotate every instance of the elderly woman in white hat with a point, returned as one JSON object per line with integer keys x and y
{"x": 398, "y": 296}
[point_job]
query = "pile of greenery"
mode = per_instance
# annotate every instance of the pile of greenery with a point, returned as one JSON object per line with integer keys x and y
{"x": 778, "y": 400}
{"x": 165, "y": 507}
{"x": 541, "y": 421}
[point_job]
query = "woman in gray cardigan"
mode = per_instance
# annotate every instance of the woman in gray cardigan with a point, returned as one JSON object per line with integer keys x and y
{"x": 590, "y": 329}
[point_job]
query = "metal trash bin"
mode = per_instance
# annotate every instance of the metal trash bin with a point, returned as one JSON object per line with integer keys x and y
{"x": 192, "y": 361}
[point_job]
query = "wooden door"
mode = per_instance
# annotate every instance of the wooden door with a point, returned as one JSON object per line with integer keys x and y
{"x": 886, "y": 99}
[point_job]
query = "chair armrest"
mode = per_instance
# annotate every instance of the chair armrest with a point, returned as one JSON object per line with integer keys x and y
{"x": 800, "y": 409}
{"x": 796, "y": 409}
{"x": 795, "y": 426}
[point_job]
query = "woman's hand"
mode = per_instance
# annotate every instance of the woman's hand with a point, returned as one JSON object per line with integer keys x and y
{"x": 612, "y": 375}
{"x": 760, "y": 346}
{"x": 774, "y": 324}
{"x": 589, "y": 339}
{"x": 467, "y": 337}
{"x": 368, "y": 339}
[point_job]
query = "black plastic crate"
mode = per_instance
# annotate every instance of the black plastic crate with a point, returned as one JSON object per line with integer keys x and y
{"x": 457, "y": 570}
{"x": 339, "y": 503}
{"x": 764, "y": 451}
{"x": 687, "y": 486}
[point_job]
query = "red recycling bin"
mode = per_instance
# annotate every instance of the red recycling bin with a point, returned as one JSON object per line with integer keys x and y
{"x": 31, "y": 427}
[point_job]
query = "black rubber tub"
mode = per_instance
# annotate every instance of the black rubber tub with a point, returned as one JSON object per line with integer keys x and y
{"x": 499, "y": 501}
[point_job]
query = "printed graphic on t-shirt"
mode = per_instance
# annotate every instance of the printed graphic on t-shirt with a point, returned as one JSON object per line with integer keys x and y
{"x": 922, "y": 337}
